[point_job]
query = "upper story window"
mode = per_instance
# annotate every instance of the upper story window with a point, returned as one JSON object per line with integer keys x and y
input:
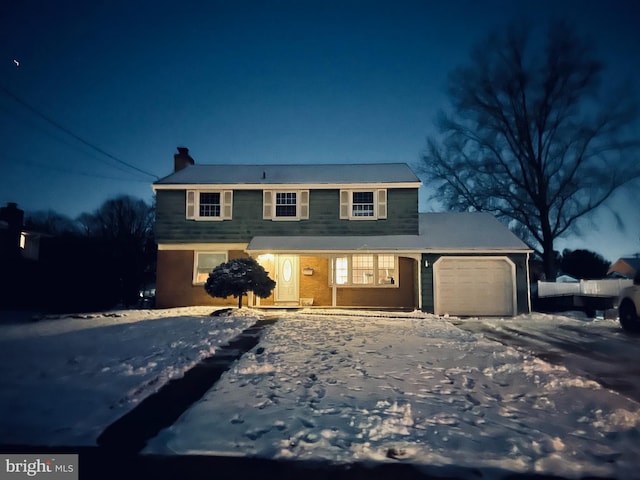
{"x": 363, "y": 204}
{"x": 209, "y": 204}
{"x": 285, "y": 205}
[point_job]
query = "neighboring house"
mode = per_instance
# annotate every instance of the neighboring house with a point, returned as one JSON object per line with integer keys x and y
{"x": 14, "y": 239}
{"x": 333, "y": 236}
{"x": 626, "y": 267}
{"x": 19, "y": 252}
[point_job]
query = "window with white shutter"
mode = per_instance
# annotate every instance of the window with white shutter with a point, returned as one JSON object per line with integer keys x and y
{"x": 363, "y": 204}
{"x": 209, "y": 204}
{"x": 285, "y": 205}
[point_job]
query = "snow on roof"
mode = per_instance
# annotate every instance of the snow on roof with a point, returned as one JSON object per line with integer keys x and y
{"x": 467, "y": 230}
{"x": 291, "y": 174}
{"x": 438, "y": 232}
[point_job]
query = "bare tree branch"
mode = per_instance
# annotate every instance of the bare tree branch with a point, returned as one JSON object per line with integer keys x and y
{"x": 530, "y": 138}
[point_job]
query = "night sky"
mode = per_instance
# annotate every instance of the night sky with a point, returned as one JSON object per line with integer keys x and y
{"x": 252, "y": 82}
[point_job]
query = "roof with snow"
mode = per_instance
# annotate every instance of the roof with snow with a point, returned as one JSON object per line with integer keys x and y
{"x": 441, "y": 232}
{"x": 467, "y": 231}
{"x": 339, "y": 174}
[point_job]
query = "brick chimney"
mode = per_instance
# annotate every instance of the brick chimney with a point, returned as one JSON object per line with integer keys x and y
{"x": 182, "y": 159}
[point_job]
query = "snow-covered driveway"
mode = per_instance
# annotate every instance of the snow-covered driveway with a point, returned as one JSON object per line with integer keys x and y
{"x": 595, "y": 348}
{"x": 357, "y": 388}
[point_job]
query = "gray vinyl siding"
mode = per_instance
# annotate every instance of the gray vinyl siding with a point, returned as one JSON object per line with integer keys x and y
{"x": 519, "y": 259}
{"x": 324, "y": 210}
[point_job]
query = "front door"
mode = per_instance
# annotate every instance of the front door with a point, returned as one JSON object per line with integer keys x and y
{"x": 287, "y": 278}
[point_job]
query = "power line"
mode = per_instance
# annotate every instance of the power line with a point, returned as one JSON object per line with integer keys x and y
{"x": 33, "y": 123}
{"x": 70, "y": 133}
{"x": 78, "y": 172}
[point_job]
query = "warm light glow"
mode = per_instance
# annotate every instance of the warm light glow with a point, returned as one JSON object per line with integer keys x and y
{"x": 23, "y": 240}
{"x": 265, "y": 257}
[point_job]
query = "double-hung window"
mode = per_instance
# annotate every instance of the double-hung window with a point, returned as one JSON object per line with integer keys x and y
{"x": 204, "y": 263}
{"x": 364, "y": 270}
{"x": 285, "y": 204}
{"x": 209, "y": 204}
{"x": 363, "y": 204}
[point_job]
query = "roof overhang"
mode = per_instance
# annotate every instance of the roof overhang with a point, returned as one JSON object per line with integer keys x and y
{"x": 335, "y": 244}
{"x": 406, "y": 244}
{"x": 277, "y": 186}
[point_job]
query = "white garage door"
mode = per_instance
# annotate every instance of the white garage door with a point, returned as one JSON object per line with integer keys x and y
{"x": 474, "y": 286}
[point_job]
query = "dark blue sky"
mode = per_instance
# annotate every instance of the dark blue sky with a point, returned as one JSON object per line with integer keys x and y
{"x": 250, "y": 82}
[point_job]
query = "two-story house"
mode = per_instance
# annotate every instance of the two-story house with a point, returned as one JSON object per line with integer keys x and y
{"x": 343, "y": 235}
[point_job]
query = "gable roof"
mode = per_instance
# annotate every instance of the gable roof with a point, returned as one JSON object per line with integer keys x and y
{"x": 439, "y": 232}
{"x": 329, "y": 174}
{"x": 627, "y": 266}
{"x": 632, "y": 261}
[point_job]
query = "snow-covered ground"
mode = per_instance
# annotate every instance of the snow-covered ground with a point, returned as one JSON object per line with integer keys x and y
{"x": 63, "y": 380}
{"x": 340, "y": 386}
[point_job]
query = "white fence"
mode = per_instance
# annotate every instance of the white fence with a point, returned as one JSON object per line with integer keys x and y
{"x": 594, "y": 288}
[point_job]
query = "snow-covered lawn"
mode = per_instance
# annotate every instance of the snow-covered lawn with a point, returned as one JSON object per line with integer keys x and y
{"x": 63, "y": 380}
{"x": 340, "y": 386}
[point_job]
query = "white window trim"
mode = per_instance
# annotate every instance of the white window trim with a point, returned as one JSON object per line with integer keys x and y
{"x": 193, "y": 205}
{"x": 269, "y": 205}
{"x": 375, "y": 284}
{"x": 379, "y": 204}
{"x": 194, "y": 279}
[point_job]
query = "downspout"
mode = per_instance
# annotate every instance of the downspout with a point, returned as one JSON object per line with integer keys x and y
{"x": 420, "y": 267}
{"x": 528, "y": 282}
{"x": 334, "y": 287}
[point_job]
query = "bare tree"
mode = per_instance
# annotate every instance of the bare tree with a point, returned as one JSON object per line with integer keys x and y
{"x": 124, "y": 217}
{"x": 529, "y": 138}
{"x": 50, "y": 222}
{"x": 123, "y": 228}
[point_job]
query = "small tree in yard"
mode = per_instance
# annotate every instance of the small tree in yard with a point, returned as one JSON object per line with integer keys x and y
{"x": 237, "y": 277}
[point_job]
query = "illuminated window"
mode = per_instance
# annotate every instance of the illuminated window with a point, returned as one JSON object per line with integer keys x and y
{"x": 365, "y": 270}
{"x": 342, "y": 271}
{"x": 362, "y": 270}
{"x": 386, "y": 270}
{"x": 204, "y": 263}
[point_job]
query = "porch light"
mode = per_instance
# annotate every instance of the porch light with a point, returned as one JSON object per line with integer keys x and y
{"x": 266, "y": 257}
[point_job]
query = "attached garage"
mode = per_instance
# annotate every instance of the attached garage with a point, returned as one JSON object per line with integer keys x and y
{"x": 472, "y": 265}
{"x": 474, "y": 286}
